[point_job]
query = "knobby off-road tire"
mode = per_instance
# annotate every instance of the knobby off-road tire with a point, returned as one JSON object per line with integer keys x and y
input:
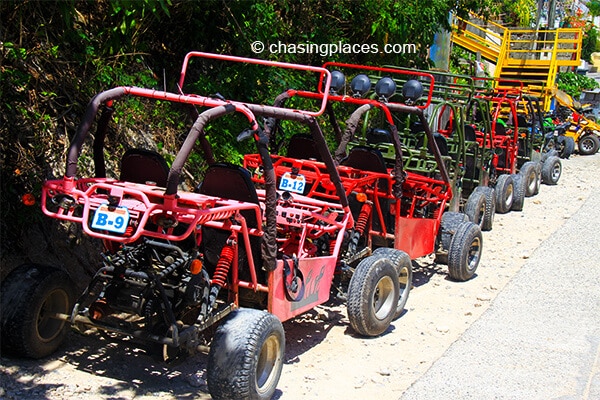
{"x": 403, "y": 265}
{"x": 31, "y": 294}
{"x": 490, "y": 207}
{"x": 504, "y": 193}
{"x": 475, "y": 207}
{"x": 588, "y": 145}
{"x": 246, "y": 356}
{"x": 551, "y": 170}
{"x": 485, "y": 219}
{"x": 448, "y": 226}
{"x": 373, "y": 295}
{"x": 531, "y": 175}
{"x": 567, "y": 146}
{"x": 465, "y": 252}
{"x": 520, "y": 187}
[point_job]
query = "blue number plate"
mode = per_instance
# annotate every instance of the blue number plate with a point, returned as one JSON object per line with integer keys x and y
{"x": 290, "y": 184}
{"x": 113, "y": 219}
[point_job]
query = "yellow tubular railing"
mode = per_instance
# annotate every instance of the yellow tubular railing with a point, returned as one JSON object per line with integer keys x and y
{"x": 477, "y": 38}
{"x": 537, "y": 54}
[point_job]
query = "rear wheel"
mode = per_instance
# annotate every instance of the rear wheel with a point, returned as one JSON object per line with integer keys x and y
{"x": 551, "y": 170}
{"x": 246, "y": 356}
{"x": 520, "y": 188}
{"x": 588, "y": 145}
{"x": 403, "y": 265}
{"x": 373, "y": 296}
{"x": 529, "y": 172}
{"x": 31, "y": 297}
{"x": 504, "y": 193}
{"x": 465, "y": 252}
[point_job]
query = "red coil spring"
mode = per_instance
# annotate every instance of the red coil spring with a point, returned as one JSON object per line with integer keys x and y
{"x": 222, "y": 269}
{"x": 331, "y": 246}
{"x": 363, "y": 217}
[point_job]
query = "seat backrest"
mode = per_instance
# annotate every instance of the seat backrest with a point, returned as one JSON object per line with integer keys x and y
{"x": 442, "y": 143}
{"x": 470, "y": 134}
{"x": 440, "y": 140}
{"x": 378, "y": 135}
{"x": 522, "y": 121}
{"x": 232, "y": 182}
{"x": 302, "y": 146}
{"x": 141, "y": 166}
{"x": 500, "y": 129}
{"x": 366, "y": 159}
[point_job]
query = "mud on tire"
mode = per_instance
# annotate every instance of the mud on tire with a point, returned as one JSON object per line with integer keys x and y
{"x": 246, "y": 356}
{"x": 30, "y": 295}
{"x": 373, "y": 295}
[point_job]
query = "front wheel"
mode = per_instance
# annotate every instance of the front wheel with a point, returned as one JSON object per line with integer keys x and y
{"x": 588, "y": 145}
{"x": 475, "y": 207}
{"x": 530, "y": 173}
{"x": 551, "y": 170}
{"x": 465, "y": 252}
{"x": 520, "y": 188}
{"x": 567, "y": 145}
{"x": 32, "y": 295}
{"x": 246, "y": 356}
{"x": 373, "y": 296}
{"x": 504, "y": 193}
{"x": 403, "y": 265}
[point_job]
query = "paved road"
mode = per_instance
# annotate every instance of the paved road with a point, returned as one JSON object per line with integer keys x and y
{"x": 540, "y": 339}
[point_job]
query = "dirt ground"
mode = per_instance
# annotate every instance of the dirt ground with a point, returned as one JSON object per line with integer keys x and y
{"x": 324, "y": 357}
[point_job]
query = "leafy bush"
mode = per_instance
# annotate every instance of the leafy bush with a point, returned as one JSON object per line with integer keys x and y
{"x": 573, "y": 84}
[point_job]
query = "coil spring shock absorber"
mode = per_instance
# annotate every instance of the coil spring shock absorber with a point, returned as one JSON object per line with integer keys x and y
{"x": 361, "y": 224}
{"x": 222, "y": 270}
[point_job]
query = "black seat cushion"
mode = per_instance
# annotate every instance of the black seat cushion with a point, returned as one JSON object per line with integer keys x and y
{"x": 141, "y": 166}
{"x": 302, "y": 146}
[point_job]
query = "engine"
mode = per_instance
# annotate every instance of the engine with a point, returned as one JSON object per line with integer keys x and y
{"x": 151, "y": 285}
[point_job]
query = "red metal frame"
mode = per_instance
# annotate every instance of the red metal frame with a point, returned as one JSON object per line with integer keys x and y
{"x": 154, "y": 211}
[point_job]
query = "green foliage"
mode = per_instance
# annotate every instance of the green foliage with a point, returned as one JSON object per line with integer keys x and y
{"x": 594, "y": 8}
{"x": 589, "y": 43}
{"x": 518, "y": 12}
{"x": 573, "y": 83}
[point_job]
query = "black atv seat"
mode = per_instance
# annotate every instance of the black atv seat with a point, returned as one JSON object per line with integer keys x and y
{"x": 470, "y": 134}
{"x": 366, "y": 159}
{"x": 302, "y": 146}
{"x": 522, "y": 121}
{"x": 500, "y": 129}
{"x": 141, "y": 166}
{"x": 440, "y": 140}
{"x": 378, "y": 135}
{"x": 232, "y": 182}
